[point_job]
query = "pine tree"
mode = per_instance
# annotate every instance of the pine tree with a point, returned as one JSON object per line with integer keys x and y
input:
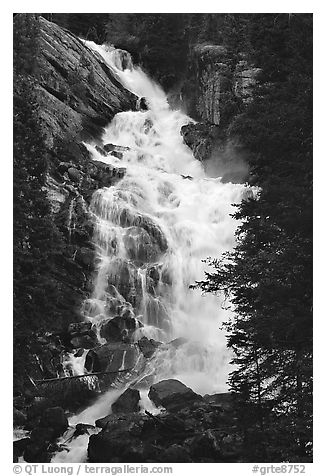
{"x": 268, "y": 277}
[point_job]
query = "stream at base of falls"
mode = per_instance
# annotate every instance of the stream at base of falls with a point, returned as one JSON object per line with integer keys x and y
{"x": 153, "y": 228}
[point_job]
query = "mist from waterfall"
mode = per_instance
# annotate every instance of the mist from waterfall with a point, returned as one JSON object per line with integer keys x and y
{"x": 155, "y": 226}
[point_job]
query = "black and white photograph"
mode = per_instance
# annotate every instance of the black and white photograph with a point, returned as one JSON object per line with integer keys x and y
{"x": 162, "y": 242}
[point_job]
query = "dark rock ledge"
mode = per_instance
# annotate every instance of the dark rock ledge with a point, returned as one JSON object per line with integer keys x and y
{"x": 191, "y": 429}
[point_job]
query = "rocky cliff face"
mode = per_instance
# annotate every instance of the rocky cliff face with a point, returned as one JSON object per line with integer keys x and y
{"x": 215, "y": 79}
{"x": 202, "y": 93}
{"x": 77, "y": 95}
{"x": 218, "y": 87}
{"x": 77, "y": 92}
{"x": 220, "y": 155}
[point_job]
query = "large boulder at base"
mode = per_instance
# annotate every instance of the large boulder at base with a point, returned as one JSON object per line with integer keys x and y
{"x": 54, "y": 418}
{"x": 37, "y": 449}
{"x": 199, "y": 433}
{"x": 121, "y": 442}
{"x": 172, "y": 395}
{"x": 53, "y": 423}
{"x": 127, "y": 402}
{"x": 19, "y": 447}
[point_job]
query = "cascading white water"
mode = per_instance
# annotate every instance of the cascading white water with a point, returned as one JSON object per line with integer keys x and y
{"x": 154, "y": 228}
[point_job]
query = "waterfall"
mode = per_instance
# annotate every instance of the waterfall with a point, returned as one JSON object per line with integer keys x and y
{"x": 153, "y": 229}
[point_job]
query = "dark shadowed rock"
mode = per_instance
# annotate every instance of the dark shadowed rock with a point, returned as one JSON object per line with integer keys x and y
{"x": 74, "y": 174}
{"x": 121, "y": 442}
{"x": 176, "y": 454}
{"x": 56, "y": 419}
{"x": 125, "y": 277}
{"x": 79, "y": 353}
{"x": 37, "y": 449}
{"x": 120, "y": 328}
{"x": 52, "y": 424}
{"x": 82, "y": 429}
{"x": 19, "y": 447}
{"x": 77, "y": 92}
{"x": 221, "y": 156}
{"x": 127, "y": 402}
{"x": 194, "y": 434}
{"x": 148, "y": 346}
{"x": 86, "y": 341}
{"x": 36, "y": 409}
{"x": 80, "y": 328}
{"x": 225, "y": 401}
{"x": 110, "y": 357}
{"x": 115, "y": 148}
{"x": 19, "y": 418}
{"x": 201, "y": 138}
{"x": 172, "y": 395}
{"x": 82, "y": 335}
{"x": 206, "y": 445}
{"x": 142, "y": 104}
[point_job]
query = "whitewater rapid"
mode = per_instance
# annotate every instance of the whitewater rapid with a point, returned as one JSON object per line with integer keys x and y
{"x": 164, "y": 189}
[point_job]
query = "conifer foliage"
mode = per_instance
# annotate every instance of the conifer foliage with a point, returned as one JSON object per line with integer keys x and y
{"x": 268, "y": 276}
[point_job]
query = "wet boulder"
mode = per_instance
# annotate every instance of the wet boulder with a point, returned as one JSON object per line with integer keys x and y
{"x": 115, "y": 150}
{"x": 85, "y": 256}
{"x": 128, "y": 218}
{"x": 101, "y": 151}
{"x": 74, "y": 174}
{"x": 141, "y": 246}
{"x": 148, "y": 346}
{"x": 111, "y": 357}
{"x": 125, "y": 277}
{"x": 127, "y": 402}
{"x": 82, "y": 429}
{"x": 142, "y": 104}
{"x": 79, "y": 353}
{"x": 172, "y": 395}
{"x": 120, "y": 328}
